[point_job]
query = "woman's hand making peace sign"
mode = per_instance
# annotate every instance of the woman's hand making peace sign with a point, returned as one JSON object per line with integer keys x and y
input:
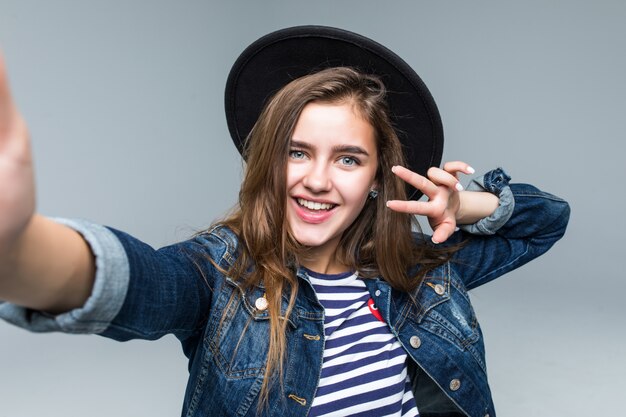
{"x": 447, "y": 205}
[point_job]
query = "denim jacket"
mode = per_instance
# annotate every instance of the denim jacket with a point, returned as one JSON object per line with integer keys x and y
{"x": 144, "y": 293}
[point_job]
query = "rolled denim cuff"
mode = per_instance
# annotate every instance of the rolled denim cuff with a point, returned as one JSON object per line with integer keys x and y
{"x": 106, "y": 299}
{"x": 495, "y": 182}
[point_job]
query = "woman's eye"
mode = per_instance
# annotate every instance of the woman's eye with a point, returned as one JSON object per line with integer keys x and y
{"x": 296, "y": 154}
{"x": 349, "y": 161}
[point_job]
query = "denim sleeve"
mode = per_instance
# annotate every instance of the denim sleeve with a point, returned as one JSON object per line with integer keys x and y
{"x": 170, "y": 289}
{"x": 536, "y": 221}
{"x": 109, "y": 291}
{"x": 495, "y": 182}
{"x": 139, "y": 292}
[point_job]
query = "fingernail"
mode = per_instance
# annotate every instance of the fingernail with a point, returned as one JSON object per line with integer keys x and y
{"x": 394, "y": 168}
{"x": 470, "y": 170}
{"x": 458, "y": 186}
{"x": 387, "y": 204}
{"x": 434, "y": 241}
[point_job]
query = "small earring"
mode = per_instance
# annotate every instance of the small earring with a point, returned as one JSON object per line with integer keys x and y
{"x": 372, "y": 194}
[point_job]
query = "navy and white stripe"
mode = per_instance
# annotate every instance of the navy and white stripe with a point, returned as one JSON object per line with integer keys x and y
{"x": 364, "y": 369}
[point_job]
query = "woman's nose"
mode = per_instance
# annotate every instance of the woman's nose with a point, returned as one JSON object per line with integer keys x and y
{"x": 317, "y": 179}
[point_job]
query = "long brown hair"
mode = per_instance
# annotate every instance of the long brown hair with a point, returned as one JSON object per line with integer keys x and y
{"x": 379, "y": 242}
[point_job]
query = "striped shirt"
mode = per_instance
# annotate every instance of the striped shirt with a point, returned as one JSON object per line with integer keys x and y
{"x": 364, "y": 368}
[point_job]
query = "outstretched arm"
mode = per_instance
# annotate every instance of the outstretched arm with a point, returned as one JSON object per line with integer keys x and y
{"x": 43, "y": 265}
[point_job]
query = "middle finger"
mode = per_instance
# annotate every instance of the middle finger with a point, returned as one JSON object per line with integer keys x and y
{"x": 441, "y": 177}
{"x": 416, "y": 180}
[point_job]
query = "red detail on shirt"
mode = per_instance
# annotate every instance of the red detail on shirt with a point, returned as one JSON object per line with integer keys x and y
{"x": 374, "y": 310}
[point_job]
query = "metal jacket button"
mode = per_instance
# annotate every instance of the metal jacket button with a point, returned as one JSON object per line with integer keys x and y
{"x": 415, "y": 342}
{"x": 377, "y": 293}
{"x": 439, "y": 289}
{"x": 455, "y": 384}
{"x": 261, "y": 303}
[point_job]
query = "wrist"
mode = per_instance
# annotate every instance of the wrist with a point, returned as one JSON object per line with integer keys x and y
{"x": 475, "y": 205}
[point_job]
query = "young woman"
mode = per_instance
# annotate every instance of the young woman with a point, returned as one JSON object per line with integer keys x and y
{"x": 315, "y": 297}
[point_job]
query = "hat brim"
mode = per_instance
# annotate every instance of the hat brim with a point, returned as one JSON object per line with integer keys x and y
{"x": 274, "y": 60}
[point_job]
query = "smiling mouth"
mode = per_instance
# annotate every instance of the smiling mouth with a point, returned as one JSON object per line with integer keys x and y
{"x": 313, "y": 205}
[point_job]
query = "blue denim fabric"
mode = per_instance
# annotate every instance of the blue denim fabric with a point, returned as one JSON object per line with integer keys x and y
{"x": 178, "y": 289}
{"x": 107, "y": 296}
{"x": 495, "y": 182}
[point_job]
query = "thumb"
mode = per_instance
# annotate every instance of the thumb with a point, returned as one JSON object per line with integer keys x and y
{"x": 7, "y": 107}
{"x": 442, "y": 232}
{"x": 13, "y": 130}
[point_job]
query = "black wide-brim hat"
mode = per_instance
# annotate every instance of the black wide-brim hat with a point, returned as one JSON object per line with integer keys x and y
{"x": 274, "y": 60}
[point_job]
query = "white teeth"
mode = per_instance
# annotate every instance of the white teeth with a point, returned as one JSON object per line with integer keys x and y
{"x": 312, "y": 205}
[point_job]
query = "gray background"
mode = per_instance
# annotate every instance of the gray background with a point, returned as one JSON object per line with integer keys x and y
{"x": 124, "y": 101}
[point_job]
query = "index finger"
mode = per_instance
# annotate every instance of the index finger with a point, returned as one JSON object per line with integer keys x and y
{"x": 6, "y": 103}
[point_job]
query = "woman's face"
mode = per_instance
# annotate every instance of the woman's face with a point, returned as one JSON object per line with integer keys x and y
{"x": 331, "y": 168}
